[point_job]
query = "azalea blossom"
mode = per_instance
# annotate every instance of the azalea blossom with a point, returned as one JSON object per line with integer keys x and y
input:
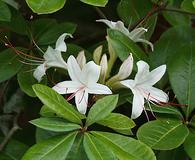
{"x": 142, "y": 87}
{"x": 52, "y": 58}
{"x": 83, "y": 82}
{"x": 135, "y": 35}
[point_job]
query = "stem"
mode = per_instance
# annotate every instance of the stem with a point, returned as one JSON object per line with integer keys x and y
{"x": 101, "y": 14}
{"x": 10, "y": 134}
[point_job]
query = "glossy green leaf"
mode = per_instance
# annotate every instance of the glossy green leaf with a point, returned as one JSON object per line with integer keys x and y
{"x": 57, "y": 103}
{"x": 9, "y": 64}
{"x": 187, "y": 5}
{"x": 77, "y": 149}
{"x": 181, "y": 71}
{"x": 5, "y": 13}
{"x": 45, "y": 6}
{"x": 125, "y": 148}
{"x": 189, "y": 145}
{"x": 46, "y": 31}
{"x": 165, "y": 110}
{"x": 47, "y": 112}
{"x": 95, "y": 149}
{"x": 163, "y": 135}
{"x": 5, "y": 157}
{"x": 99, "y": 3}
{"x": 118, "y": 122}
{"x": 193, "y": 3}
{"x": 53, "y": 148}
{"x": 101, "y": 109}
{"x": 123, "y": 46}
{"x": 55, "y": 124}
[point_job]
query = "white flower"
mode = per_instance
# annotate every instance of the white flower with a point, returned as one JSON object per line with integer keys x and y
{"x": 135, "y": 35}
{"x": 142, "y": 87}
{"x": 104, "y": 68}
{"x": 84, "y": 82}
{"x": 52, "y": 58}
{"x": 81, "y": 59}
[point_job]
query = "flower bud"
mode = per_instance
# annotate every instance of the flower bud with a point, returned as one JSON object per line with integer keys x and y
{"x": 126, "y": 68}
{"x": 104, "y": 68}
{"x": 97, "y": 54}
{"x": 81, "y": 59}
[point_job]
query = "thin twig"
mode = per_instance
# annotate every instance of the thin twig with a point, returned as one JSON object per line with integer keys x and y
{"x": 101, "y": 14}
{"x": 10, "y": 134}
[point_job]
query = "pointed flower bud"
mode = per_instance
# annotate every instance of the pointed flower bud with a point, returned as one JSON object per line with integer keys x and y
{"x": 104, "y": 68}
{"x": 97, "y": 54}
{"x": 126, "y": 68}
{"x": 81, "y": 59}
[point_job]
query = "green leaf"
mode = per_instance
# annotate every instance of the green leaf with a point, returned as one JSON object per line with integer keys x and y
{"x": 26, "y": 80}
{"x": 99, "y": 3}
{"x": 9, "y": 65}
{"x": 165, "y": 110}
{"x": 46, "y": 112}
{"x": 5, "y": 157}
{"x": 189, "y": 145}
{"x": 118, "y": 122}
{"x": 181, "y": 70}
{"x": 55, "y": 124}
{"x": 45, "y": 6}
{"x": 137, "y": 12}
{"x": 177, "y": 19}
{"x": 77, "y": 149}
{"x": 163, "y": 135}
{"x": 101, "y": 109}
{"x": 187, "y": 5}
{"x": 95, "y": 149}
{"x": 123, "y": 46}
{"x": 54, "y": 148}
{"x": 5, "y": 13}
{"x": 15, "y": 149}
{"x": 175, "y": 154}
{"x": 57, "y": 103}
{"x": 12, "y": 3}
{"x": 193, "y": 3}
{"x": 51, "y": 31}
{"x": 125, "y": 148}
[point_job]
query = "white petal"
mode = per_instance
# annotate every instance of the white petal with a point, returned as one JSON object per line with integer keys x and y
{"x": 90, "y": 73}
{"x": 145, "y": 41}
{"x": 154, "y": 94}
{"x": 60, "y": 44}
{"x": 40, "y": 72}
{"x": 98, "y": 89}
{"x": 142, "y": 73}
{"x": 54, "y": 58}
{"x": 67, "y": 87}
{"x": 81, "y": 100}
{"x": 81, "y": 59}
{"x": 137, "y": 33}
{"x": 107, "y": 22}
{"x": 128, "y": 83}
{"x": 138, "y": 104}
{"x": 73, "y": 69}
{"x": 126, "y": 68}
{"x": 156, "y": 74}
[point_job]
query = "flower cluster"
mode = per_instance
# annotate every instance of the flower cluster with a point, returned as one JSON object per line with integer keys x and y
{"x": 93, "y": 78}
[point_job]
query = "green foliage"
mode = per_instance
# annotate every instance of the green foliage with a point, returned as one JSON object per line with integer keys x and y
{"x": 5, "y": 13}
{"x": 45, "y": 6}
{"x": 101, "y": 109}
{"x": 57, "y": 103}
{"x": 99, "y": 3}
{"x": 123, "y": 46}
{"x": 9, "y": 64}
{"x": 189, "y": 145}
{"x": 187, "y": 5}
{"x": 163, "y": 135}
{"x": 118, "y": 122}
